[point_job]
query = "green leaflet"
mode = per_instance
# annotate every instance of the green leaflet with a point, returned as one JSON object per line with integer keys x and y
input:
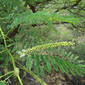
{"x": 29, "y": 62}
{"x": 47, "y": 64}
{"x": 59, "y": 63}
{"x": 37, "y": 64}
{"x": 54, "y": 63}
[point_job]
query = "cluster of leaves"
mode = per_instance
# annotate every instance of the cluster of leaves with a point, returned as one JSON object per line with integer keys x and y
{"x": 41, "y": 63}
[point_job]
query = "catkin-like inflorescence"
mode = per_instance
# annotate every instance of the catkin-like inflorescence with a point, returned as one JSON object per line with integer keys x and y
{"x": 45, "y": 46}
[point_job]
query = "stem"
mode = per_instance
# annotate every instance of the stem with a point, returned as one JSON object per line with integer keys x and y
{"x": 20, "y": 80}
{"x": 32, "y": 74}
{"x": 7, "y": 48}
{"x": 8, "y": 77}
{"x": 13, "y": 61}
{"x": 6, "y": 74}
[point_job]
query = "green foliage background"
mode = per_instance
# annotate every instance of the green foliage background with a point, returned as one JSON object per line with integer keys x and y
{"x": 28, "y": 24}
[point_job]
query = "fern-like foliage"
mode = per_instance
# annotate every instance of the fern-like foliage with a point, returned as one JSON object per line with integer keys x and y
{"x": 45, "y": 63}
{"x": 42, "y": 63}
{"x": 68, "y": 56}
{"x": 43, "y": 18}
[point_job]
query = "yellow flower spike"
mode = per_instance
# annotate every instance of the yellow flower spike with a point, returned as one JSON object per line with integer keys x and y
{"x": 46, "y": 46}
